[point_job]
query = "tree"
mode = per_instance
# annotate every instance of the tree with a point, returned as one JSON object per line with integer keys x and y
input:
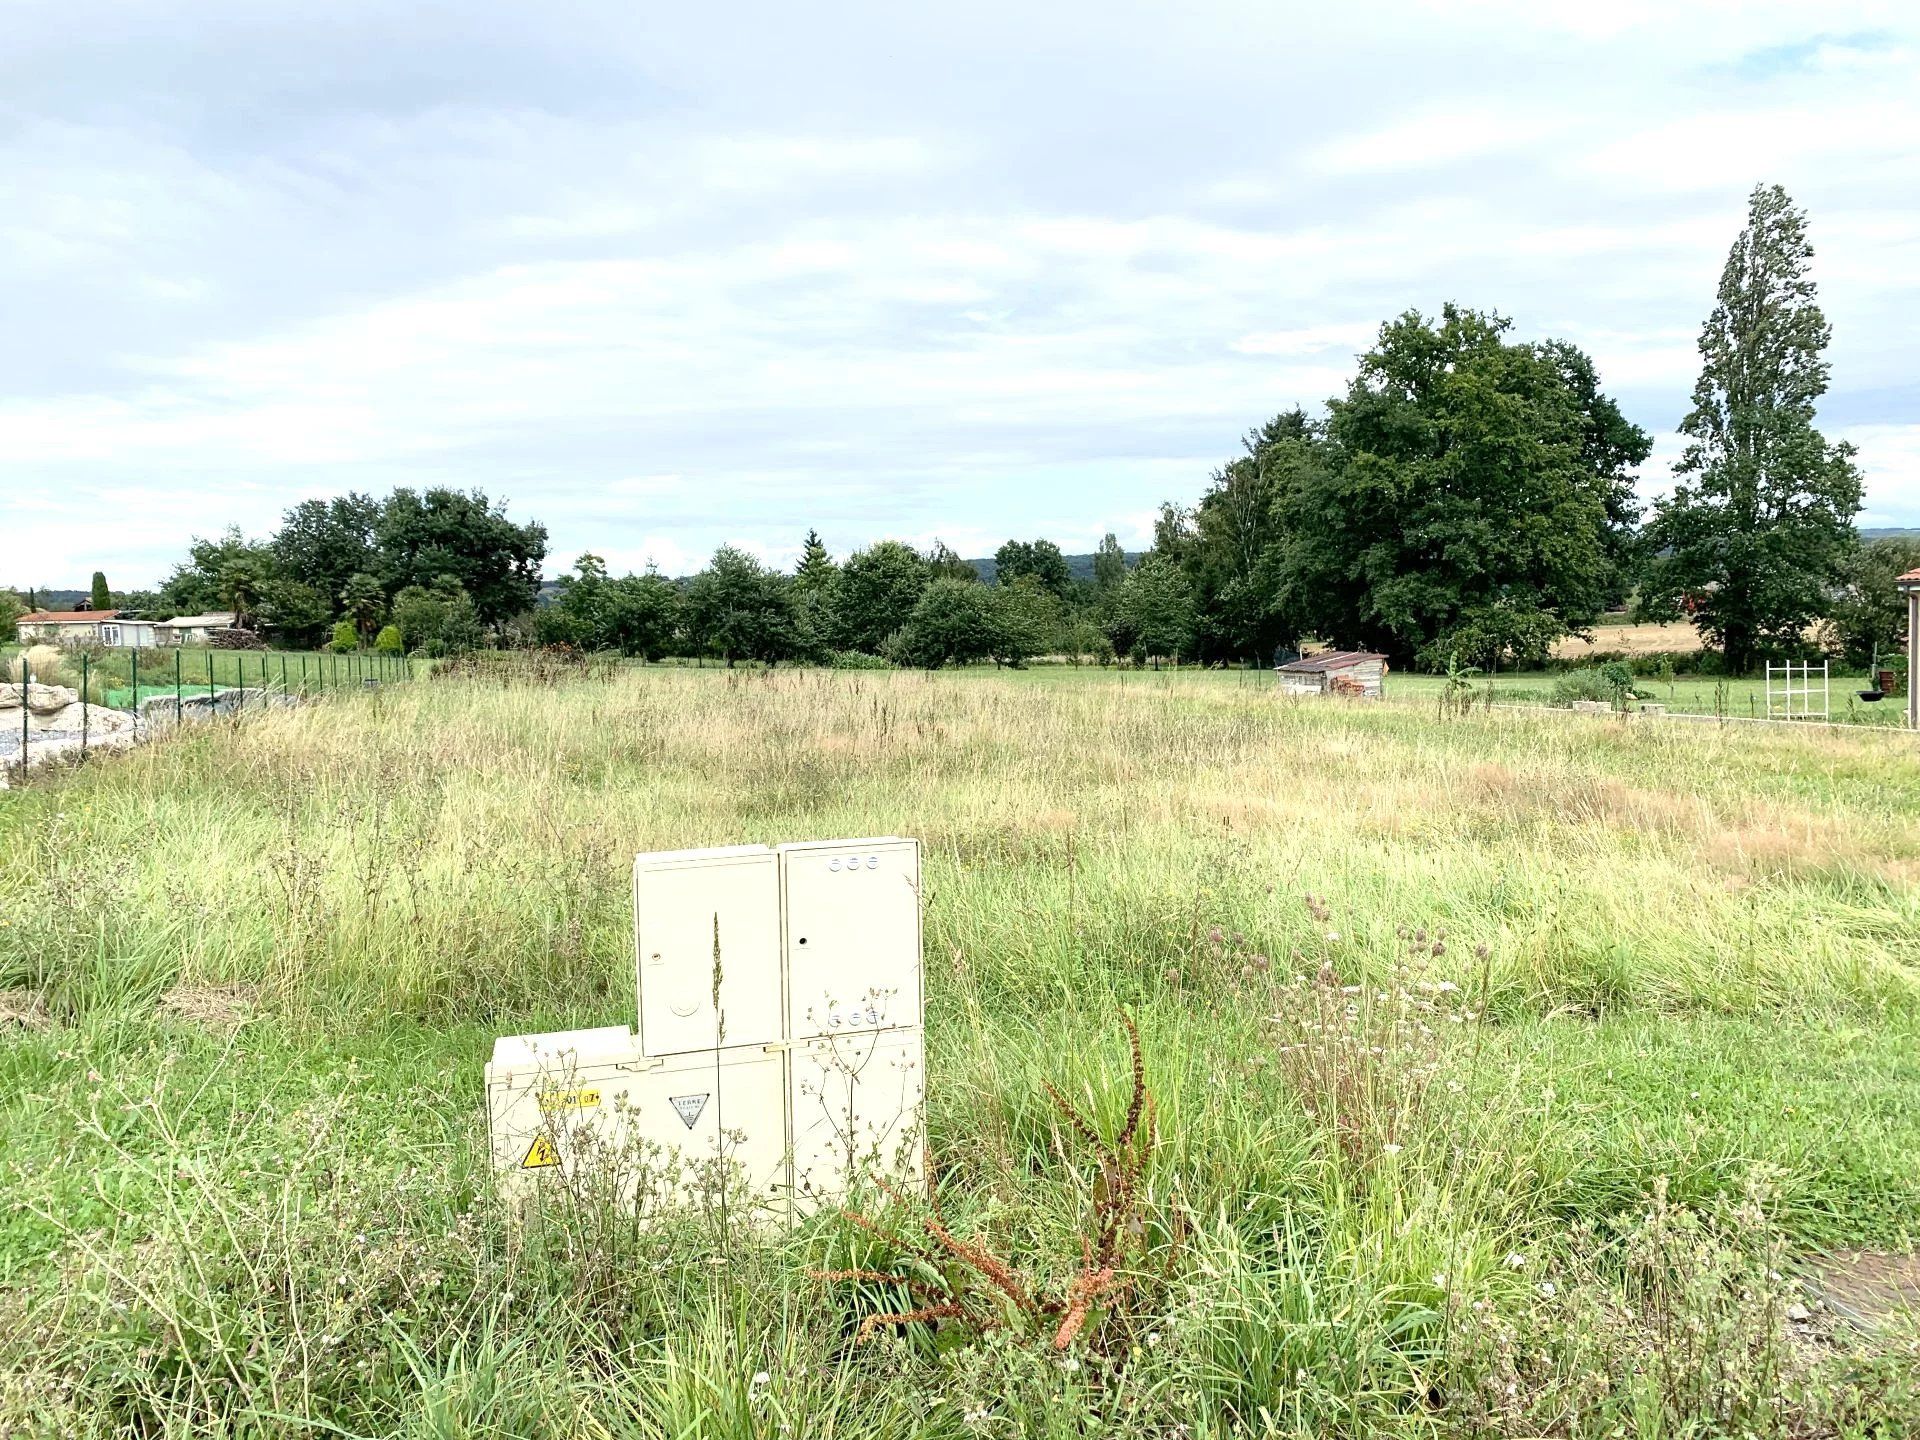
{"x": 1040, "y": 559}
{"x": 1028, "y": 618}
{"x": 422, "y": 536}
{"x": 944, "y": 562}
{"x": 739, "y": 610}
{"x": 1109, "y": 564}
{"x": 363, "y": 602}
{"x": 641, "y": 615}
{"x": 324, "y": 543}
{"x": 293, "y": 613}
{"x": 345, "y": 638}
{"x": 954, "y": 622}
{"x": 102, "y": 597}
{"x": 1870, "y": 615}
{"x": 1760, "y": 525}
{"x": 226, "y": 572}
{"x": 1156, "y": 608}
{"x": 12, "y": 607}
{"x": 419, "y": 613}
{"x": 816, "y": 594}
{"x": 879, "y": 587}
{"x": 388, "y": 641}
{"x": 460, "y": 630}
{"x": 1456, "y": 501}
{"x": 1230, "y": 546}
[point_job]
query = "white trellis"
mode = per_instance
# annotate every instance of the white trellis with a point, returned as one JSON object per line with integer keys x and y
{"x": 1791, "y": 694}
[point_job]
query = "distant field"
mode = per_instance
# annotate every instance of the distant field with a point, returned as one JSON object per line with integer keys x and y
{"x": 1510, "y": 1073}
{"x": 1674, "y": 635}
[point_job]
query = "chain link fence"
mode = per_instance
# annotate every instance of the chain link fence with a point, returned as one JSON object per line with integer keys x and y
{"x": 123, "y": 696}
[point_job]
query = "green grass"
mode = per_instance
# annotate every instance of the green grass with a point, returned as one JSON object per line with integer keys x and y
{"x": 1698, "y": 987}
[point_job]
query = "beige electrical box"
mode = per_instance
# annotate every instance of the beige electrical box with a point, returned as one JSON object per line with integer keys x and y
{"x": 856, "y": 1104}
{"x": 851, "y": 910}
{"x": 805, "y": 1079}
{"x": 586, "y": 1111}
{"x": 678, "y": 896}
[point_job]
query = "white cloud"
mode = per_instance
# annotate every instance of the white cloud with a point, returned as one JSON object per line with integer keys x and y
{"x": 714, "y": 278}
{"x": 1429, "y": 140}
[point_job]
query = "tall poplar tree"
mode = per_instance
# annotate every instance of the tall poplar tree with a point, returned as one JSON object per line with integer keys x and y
{"x": 1757, "y": 532}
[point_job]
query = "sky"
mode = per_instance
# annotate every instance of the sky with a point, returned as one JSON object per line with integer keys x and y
{"x": 672, "y": 276}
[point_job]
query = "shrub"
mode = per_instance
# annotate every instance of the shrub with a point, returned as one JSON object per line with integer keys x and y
{"x": 345, "y": 638}
{"x": 388, "y": 641}
{"x": 46, "y": 662}
{"x": 1583, "y": 684}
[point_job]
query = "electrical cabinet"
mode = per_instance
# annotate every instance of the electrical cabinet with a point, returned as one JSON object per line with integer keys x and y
{"x": 588, "y": 1111}
{"x": 851, "y": 911}
{"x": 856, "y": 1102}
{"x": 803, "y": 1080}
{"x": 680, "y": 899}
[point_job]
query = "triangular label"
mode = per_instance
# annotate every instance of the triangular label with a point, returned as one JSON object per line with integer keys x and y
{"x": 541, "y": 1155}
{"x": 688, "y": 1107}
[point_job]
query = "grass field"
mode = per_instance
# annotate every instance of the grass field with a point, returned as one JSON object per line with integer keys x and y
{"x": 1509, "y": 1073}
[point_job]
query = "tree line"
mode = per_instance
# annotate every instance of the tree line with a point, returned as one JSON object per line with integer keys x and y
{"x": 1469, "y": 499}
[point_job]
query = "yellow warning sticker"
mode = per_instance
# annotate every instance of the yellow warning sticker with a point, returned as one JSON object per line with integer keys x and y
{"x": 569, "y": 1099}
{"x": 540, "y": 1155}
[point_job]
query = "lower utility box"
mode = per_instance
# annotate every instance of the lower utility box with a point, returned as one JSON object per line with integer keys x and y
{"x": 584, "y": 1113}
{"x": 857, "y": 1106}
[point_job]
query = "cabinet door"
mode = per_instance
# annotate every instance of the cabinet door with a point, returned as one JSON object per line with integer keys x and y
{"x": 679, "y": 897}
{"x": 647, "y": 1134}
{"x": 857, "y": 1104}
{"x": 852, "y": 918}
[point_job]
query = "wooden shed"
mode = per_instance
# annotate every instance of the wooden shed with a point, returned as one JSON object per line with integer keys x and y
{"x": 1358, "y": 673}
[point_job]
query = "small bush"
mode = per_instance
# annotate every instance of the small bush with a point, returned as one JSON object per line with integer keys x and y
{"x": 1583, "y": 684}
{"x": 345, "y": 638}
{"x": 46, "y": 662}
{"x": 388, "y": 641}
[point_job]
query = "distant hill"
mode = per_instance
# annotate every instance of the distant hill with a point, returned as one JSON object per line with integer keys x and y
{"x": 1888, "y": 532}
{"x": 60, "y": 599}
{"x": 1080, "y": 567}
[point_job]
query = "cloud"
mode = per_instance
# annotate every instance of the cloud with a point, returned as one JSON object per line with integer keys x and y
{"x": 673, "y": 279}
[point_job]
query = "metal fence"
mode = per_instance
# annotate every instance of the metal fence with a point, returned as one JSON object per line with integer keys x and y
{"x": 168, "y": 688}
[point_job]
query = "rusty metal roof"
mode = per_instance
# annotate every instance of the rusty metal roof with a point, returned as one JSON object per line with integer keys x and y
{"x": 39, "y": 617}
{"x": 1329, "y": 660}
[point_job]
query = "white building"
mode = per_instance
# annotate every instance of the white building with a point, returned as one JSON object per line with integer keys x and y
{"x": 85, "y": 627}
{"x": 191, "y": 629}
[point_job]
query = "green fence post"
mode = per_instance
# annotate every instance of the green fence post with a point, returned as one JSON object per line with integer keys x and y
{"x": 26, "y": 679}
{"x": 133, "y": 657}
{"x": 179, "y": 701}
{"x": 85, "y": 674}
{"x": 209, "y": 682}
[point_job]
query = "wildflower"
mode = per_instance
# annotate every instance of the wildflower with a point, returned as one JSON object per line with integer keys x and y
{"x": 1389, "y": 1149}
{"x": 1546, "y": 1288}
{"x": 760, "y": 1377}
{"x": 1333, "y": 937}
{"x": 1515, "y": 1260}
{"x": 1440, "y": 1279}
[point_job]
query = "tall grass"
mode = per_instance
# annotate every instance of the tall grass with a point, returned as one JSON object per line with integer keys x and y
{"x": 1674, "y": 961}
